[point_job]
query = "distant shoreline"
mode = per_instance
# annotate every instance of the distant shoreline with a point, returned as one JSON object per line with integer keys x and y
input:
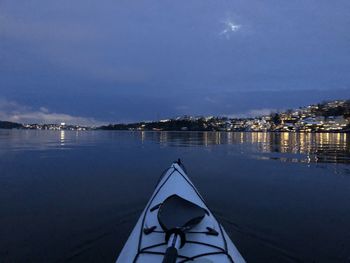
{"x": 177, "y": 131}
{"x": 325, "y": 117}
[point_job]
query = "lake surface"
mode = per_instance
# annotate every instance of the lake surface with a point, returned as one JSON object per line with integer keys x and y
{"x": 71, "y": 196}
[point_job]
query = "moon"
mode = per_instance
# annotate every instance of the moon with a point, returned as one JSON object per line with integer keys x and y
{"x": 230, "y": 27}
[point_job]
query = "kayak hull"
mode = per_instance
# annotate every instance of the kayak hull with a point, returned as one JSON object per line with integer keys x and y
{"x": 147, "y": 243}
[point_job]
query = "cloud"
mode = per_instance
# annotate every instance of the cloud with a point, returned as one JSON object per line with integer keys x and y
{"x": 59, "y": 42}
{"x": 182, "y": 108}
{"x": 253, "y": 113}
{"x": 210, "y": 99}
{"x": 12, "y": 111}
{"x": 51, "y": 31}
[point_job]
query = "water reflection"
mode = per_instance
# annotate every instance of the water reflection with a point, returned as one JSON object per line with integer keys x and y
{"x": 288, "y": 147}
{"x": 62, "y": 137}
{"x": 291, "y": 147}
{"x": 36, "y": 140}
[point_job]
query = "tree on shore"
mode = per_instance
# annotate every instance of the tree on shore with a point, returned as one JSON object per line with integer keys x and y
{"x": 275, "y": 118}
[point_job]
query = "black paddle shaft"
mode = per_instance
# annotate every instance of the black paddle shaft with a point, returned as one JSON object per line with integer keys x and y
{"x": 170, "y": 255}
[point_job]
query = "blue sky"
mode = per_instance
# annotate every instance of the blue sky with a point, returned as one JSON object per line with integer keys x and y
{"x": 113, "y": 61}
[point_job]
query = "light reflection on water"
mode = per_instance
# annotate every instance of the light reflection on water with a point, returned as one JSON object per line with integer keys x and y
{"x": 62, "y": 137}
{"x": 293, "y": 147}
{"x": 286, "y": 147}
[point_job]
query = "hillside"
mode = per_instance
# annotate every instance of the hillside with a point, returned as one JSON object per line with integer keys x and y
{"x": 10, "y": 125}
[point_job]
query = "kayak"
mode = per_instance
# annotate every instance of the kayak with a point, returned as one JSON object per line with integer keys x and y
{"x": 177, "y": 226}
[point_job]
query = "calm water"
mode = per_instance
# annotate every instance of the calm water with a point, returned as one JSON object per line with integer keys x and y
{"x": 75, "y": 196}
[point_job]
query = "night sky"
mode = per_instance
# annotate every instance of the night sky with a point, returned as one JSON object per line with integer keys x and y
{"x": 89, "y": 61}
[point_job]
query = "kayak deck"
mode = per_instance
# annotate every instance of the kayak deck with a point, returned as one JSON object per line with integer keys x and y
{"x": 207, "y": 240}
